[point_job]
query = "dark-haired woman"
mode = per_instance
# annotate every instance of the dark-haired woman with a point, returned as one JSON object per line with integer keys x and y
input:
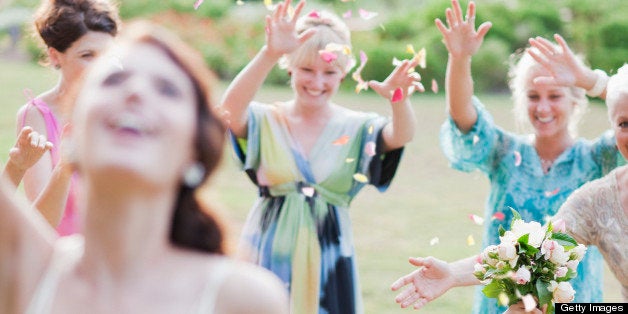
{"x": 145, "y": 137}
{"x": 74, "y": 32}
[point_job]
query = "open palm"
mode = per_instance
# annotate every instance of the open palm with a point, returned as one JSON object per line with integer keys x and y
{"x": 460, "y": 35}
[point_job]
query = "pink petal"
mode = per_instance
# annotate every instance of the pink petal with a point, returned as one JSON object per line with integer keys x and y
{"x": 341, "y": 140}
{"x": 367, "y": 15}
{"x": 347, "y": 15}
{"x": 434, "y": 86}
{"x": 499, "y": 216}
{"x": 357, "y": 74}
{"x": 314, "y": 14}
{"x": 369, "y": 149}
{"x": 552, "y": 193}
{"x": 328, "y": 56}
{"x": 476, "y": 219}
{"x": 397, "y": 95}
{"x": 198, "y": 4}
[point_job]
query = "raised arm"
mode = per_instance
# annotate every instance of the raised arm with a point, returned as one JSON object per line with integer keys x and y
{"x": 401, "y": 130}
{"x": 462, "y": 42}
{"x": 25, "y": 246}
{"x": 433, "y": 279}
{"x": 566, "y": 68}
{"x": 281, "y": 38}
{"x": 29, "y": 148}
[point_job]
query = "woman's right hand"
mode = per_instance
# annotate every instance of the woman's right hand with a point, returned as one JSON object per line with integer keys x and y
{"x": 461, "y": 38}
{"x": 281, "y": 36}
{"x": 431, "y": 280}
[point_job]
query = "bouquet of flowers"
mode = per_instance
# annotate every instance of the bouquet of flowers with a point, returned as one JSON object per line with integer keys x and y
{"x": 531, "y": 263}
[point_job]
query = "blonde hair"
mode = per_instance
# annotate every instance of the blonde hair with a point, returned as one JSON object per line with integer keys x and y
{"x": 330, "y": 29}
{"x": 616, "y": 89}
{"x": 521, "y": 65}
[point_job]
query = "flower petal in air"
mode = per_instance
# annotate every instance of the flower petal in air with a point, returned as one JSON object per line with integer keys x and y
{"x": 421, "y": 58}
{"x": 360, "y": 178}
{"x": 268, "y": 4}
{"x": 371, "y": 129}
{"x": 434, "y": 241}
{"x": 528, "y": 302}
{"x": 198, "y": 4}
{"x": 470, "y": 240}
{"x": 369, "y": 149}
{"x": 327, "y": 56}
{"x": 434, "y": 86}
{"x": 357, "y": 74}
{"x": 314, "y": 14}
{"x": 367, "y": 15}
{"x": 499, "y": 216}
{"x": 517, "y": 159}
{"x": 341, "y": 140}
{"x": 476, "y": 219}
{"x": 347, "y": 15}
{"x": 397, "y": 95}
{"x": 308, "y": 191}
{"x": 349, "y": 160}
{"x": 552, "y": 193}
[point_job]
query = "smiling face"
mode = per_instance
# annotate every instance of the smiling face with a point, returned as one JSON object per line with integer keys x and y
{"x": 617, "y": 103}
{"x": 136, "y": 118}
{"x": 315, "y": 81}
{"x": 80, "y": 54}
{"x": 550, "y": 107}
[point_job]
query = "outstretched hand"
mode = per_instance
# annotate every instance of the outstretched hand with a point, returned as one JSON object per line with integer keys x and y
{"x": 402, "y": 77}
{"x": 281, "y": 36}
{"x": 431, "y": 280}
{"x": 461, "y": 37}
{"x": 28, "y": 149}
{"x": 561, "y": 62}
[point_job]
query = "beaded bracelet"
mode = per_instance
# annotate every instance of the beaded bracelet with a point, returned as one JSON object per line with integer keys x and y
{"x": 601, "y": 79}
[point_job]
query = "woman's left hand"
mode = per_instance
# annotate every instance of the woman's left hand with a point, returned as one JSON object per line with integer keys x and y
{"x": 403, "y": 79}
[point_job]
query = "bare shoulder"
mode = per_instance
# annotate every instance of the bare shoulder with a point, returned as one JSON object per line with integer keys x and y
{"x": 29, "y": 115}
{"x": 262, "y": 290}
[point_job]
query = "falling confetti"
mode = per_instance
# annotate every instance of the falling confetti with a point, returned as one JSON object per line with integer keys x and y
{"x": 420, "y": 57}
{"x": 470, "y": 240}
{"x": 367, "y": 15}
{"x": 517, "y": 159}
{"x": 369, "y": 149}
{"x": 434, "y": 86}
{"x": 347, "y": 15}
{"x": 552, "y": 193}
{"x": 308, "y": 191}
{"x": 357, "y": 74}
{"x": 268, "y": 4}
{"x": 499, "y": 216}
{"x": 371, "y": 129}
{"x": 360, "y": 178}
{"x": 434, "y": 241}
{"x": 341, "y": 140}
{"x": 197, "y": 4}
{"x": 328, "y": 56}
{"x": 397, "y": 95}
{"x": 476, "y": 219}
{"x": 349, "y": 160}
{"x": 314, "y": 14}
{"x": 476, "y": 139}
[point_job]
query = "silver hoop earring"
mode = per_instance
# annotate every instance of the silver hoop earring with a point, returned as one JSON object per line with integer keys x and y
{"x": 193, "y": 176}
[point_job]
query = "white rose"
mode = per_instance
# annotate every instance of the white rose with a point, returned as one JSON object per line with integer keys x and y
{"x": 478, "y": 268}
{"x": 562, "y": 292}
{"x": 522, "y": 276}
{"x": 534, "y": 229}
{"x": 489, "y": 250}
{"x": 573, "y": 264}
{"x": 508, "y": 252}
{"x": 578, "y": 252}
{"x": 509, "y": 237}
{"x": 547, "y": 247}
{"x": 561, "y": 272}
{"x": 559, "y": 256}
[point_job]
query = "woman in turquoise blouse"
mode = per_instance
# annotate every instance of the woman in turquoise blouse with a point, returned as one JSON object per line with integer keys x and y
{"x": 532, "y": 173}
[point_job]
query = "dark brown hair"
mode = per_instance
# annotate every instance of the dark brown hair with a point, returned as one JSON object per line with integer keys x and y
{"x": 192, "y": 226}
{"x": 60, "y": 23}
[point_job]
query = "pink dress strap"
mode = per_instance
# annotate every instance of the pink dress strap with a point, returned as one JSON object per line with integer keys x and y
{"x": 69, "y": 220}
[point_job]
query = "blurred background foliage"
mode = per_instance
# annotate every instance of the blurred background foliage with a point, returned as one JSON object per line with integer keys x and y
{"x": 229, "y": 34}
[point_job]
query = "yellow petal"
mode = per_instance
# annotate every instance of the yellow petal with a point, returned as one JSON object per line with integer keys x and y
{"x": 360, "y": 178}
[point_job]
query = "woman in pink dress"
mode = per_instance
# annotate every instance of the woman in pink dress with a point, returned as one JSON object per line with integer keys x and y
{"x": 74, "y": 32}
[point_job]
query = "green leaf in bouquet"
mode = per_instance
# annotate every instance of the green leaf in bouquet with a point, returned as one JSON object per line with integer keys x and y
{"x": 544, "y": 294}
{"x": 493, "y": 289}
{"x": 515, "y": 216}
{"x": 524, "y": 247}
{"x": 502, "y": 231}
{"x": 565, "y": 240}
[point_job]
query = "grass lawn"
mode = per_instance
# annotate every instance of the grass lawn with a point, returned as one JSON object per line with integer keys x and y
{"x": 427, "y": 199}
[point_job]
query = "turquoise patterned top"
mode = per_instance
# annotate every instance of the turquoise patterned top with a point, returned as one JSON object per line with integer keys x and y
{"x": 517, "y": 181}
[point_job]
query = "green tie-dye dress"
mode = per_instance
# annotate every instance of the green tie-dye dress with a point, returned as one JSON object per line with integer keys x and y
{"x": 299, "y": 228}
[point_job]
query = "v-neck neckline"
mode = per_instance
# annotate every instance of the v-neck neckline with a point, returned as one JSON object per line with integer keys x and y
{"x": 314, "y": 150}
